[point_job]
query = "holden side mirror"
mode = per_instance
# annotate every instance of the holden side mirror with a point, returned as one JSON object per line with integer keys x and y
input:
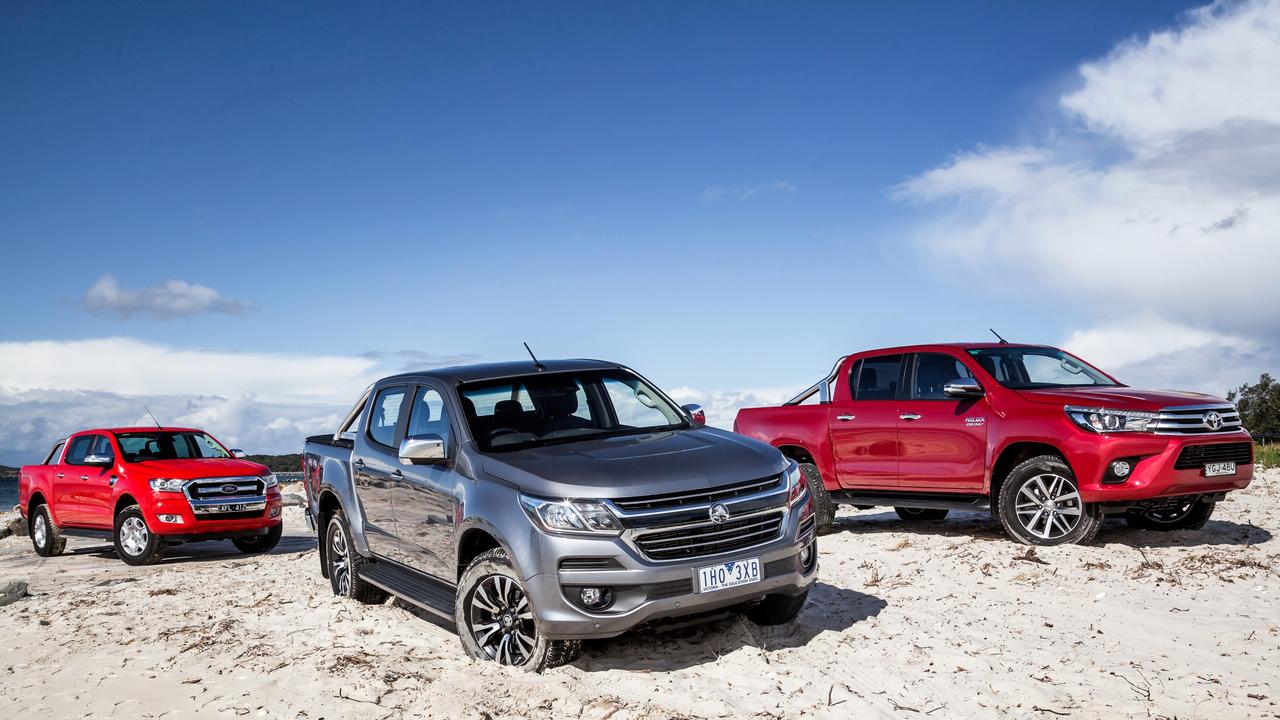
{"x": 237, "y": 453}
{"x": 696, "y": 413}
{"x": 963, "y": 388}
{"x": 422, "y": 449}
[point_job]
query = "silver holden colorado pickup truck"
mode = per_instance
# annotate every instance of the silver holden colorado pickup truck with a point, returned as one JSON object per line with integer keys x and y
{"x": 538, "y": 504}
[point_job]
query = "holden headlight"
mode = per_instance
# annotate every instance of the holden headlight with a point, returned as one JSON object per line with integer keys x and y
{"x": 585, "y": 517}
{"x": 796, "y": 485}
{"x": 168, "y": 484}
{"x": 1102, "y": 420}
{"x": 269, "y": 480}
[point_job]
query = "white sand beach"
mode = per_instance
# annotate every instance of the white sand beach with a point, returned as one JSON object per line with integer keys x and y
{"x": 948, "y": 620}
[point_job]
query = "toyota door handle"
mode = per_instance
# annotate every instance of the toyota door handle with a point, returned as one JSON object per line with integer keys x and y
{"x": 910, "y": 416}
{"x": 397, "y": 475}
{"x": 845, "y": 418}
{"x": 358, "y": 463}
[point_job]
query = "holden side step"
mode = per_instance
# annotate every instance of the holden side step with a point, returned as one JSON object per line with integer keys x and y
{"x": 422, "y": 590}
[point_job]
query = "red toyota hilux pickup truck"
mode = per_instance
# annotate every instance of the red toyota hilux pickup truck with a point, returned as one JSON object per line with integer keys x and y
{"x": 147, "y": 488}
{"x": 1045, "y": 441}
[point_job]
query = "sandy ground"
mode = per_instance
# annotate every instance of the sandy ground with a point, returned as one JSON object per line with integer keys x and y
{"x": 945, "y": 620}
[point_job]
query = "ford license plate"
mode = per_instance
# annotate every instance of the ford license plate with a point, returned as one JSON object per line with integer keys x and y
{"x": 1221, "y": 468}
{"x": 728, "y": 575}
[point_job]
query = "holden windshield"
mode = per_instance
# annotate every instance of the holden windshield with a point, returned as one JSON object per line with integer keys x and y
{"x": 169, "y": 445}
{"x": 534, "y": 410}
{"x": 1033, "y": 368}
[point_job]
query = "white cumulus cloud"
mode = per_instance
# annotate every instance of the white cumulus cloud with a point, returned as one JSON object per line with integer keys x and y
{"x": 1158, "y": 212}
{"x": 166, "y": 300}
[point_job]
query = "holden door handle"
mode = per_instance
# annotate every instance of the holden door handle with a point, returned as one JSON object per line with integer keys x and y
{"x": 845, "y": 418}
{"x": 910, "y": 416}
{"x": 84, "y": 477}
{"x": 60, "y": 475}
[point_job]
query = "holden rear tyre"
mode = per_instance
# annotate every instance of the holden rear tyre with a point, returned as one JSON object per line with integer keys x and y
{"x": 1189, "y": 515}
{"x": 343, "y": 563}
{"x": 1040, "y": 504}
{"x": 495, "y": 620}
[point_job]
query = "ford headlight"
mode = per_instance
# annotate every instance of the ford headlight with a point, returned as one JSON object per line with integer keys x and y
{"x": 168, "y": 484}
{"x": 586, "y": 517}
{"x": 1102, "y": 420}
{"x": 269, "y": 480}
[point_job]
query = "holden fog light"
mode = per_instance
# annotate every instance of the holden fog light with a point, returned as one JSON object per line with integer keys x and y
{"x": 1120, "y": 468}
{"x": 175, "y": 519}
{"x": 595, "y": 598}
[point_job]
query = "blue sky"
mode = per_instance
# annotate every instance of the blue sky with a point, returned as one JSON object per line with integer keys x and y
{"x": 725, "y": 196}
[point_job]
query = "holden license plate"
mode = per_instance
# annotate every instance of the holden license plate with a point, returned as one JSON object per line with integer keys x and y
{"x": 728, "y": 575}
{"x": 1217, "y": 469}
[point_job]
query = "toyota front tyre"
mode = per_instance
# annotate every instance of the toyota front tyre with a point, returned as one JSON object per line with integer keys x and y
{"x": 824, "y": 508}
{"x": 46, "y": 536}
{"x": 495, "y": 620}
{"x": 1040, "y": 504}
{"x": 134, "y": 541}
{"x": 260, "y": 543}
{"x": 343, "y": 562}
{"x": 1190, "y": 515}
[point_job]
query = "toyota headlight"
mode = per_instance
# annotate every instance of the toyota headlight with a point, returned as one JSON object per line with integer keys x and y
{"x": 583, "y": 517}
{"x": 269, "y": 480}
{"x": 1102, "y": 420}
{"x": 168, "y": 484}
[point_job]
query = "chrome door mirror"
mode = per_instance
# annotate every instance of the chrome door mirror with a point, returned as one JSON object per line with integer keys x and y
{"x": 696, "y": 413}
{"x": 422, "y": 449}
{"x": 963, "y": 388}
{"x": 98, "y": 460}
{"x": 237, "y": 453}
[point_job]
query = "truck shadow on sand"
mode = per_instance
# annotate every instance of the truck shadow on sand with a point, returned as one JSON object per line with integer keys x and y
{"x": 212, "y": 551}
{"x": 981, "y": 527}
{"x": 829, "y": 609}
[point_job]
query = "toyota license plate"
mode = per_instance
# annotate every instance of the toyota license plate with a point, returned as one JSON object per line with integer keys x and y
{"x": 728, "y": 575}
{"x": 1218, "y": 469}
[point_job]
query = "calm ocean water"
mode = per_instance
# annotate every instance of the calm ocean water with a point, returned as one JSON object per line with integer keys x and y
{"x": 8, "y": 493}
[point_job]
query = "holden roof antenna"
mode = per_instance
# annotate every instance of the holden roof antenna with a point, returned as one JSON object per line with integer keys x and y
{"x": 1002, "y": 340}
{"x": 153, "y": 417}
{"x": 536, "y": 363}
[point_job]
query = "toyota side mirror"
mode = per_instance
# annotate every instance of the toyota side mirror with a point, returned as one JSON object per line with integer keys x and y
{"x": 696, "y": 413}
{"x": 422, "y": 450}
{"x": 237, "y": 453}
{"x": 963, "y": 388}
{"x": 98, "y": 460}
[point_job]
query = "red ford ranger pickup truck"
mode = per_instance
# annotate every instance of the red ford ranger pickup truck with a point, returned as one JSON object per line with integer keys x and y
{"x": 146, "y": 489}
{"x": 1045, "y": 441}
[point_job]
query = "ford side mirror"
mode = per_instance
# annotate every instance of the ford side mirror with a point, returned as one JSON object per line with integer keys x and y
{"x": 696, "y": 413}
{"x": 98, "y": 460}
{"x": 237, "y": 453}
{"x": 963, "y": 388}
{"x": 422, "y": 449}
